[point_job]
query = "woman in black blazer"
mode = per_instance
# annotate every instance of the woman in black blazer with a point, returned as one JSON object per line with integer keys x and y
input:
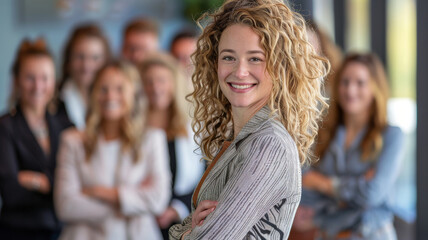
{"x": 29, "y": 136}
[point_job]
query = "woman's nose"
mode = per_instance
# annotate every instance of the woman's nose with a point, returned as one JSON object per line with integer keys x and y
{"x": 241, "y": 70}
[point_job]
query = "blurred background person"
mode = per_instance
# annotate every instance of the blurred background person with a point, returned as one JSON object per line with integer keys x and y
{"x": 29, "y": 136}
{"x": 350, "y": 188}
{"x": 163, "y": 86}
{"x": 183, "y": 45}
{"x": 325, "y": 47}
{"x": 113, "y": 178}
{"x": 140, "y": 39}
{"x": 85, "y": 53}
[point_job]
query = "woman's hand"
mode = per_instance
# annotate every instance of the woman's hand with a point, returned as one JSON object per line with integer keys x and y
{"x": 313, "y": 180}
{"x": 102, "y": 193}
{"x": 34, "y": 181}
{"x": 167, "y": 217}
{"x": 202, "y": 211}
{"x": 369, "y": 175}
{"x": 147, "y": 182}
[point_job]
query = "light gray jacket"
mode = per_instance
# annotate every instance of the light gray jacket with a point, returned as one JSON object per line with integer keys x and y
{"x": 257, "y": 183}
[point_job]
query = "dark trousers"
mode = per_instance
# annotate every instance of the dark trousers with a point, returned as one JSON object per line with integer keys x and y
{"x": 8, "y": 233}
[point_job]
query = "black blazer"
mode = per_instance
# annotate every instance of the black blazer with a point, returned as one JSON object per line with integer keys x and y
{"x": 19, "y": 150}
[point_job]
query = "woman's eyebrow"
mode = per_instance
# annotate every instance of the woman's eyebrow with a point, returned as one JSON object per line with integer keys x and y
{"x": 227, "y": 50}
{"x": 248, "y": 52}
{"x": 255, "y": 51}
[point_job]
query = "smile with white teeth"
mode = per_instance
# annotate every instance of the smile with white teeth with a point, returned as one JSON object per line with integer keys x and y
{"x": 241, "y": 86}
{"x": 111, "y": 105}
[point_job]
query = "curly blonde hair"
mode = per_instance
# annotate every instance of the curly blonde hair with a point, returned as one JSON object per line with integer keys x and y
{"x": 296, "y": 71}
{"x": 132, "y": 124}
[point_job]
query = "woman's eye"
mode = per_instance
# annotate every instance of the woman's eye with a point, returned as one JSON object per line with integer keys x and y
{"x": 96, "y": 58}
{"x": 228, "y": 58}
{"x": 255, "y": 59}
{"x": 104, "y": 90}
{"x": 361, "y": 83}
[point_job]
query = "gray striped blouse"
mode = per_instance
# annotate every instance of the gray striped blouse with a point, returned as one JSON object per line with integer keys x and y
{"x": 257, "y": 183}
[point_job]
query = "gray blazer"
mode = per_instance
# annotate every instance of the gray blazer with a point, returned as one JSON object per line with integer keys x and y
{"x": 257, "y": 183}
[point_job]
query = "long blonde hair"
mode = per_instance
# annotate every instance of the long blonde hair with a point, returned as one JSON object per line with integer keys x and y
{"x": 296, "y": 70}
{"x": 372, "y": 142}
{"x": 131, "y": 125}
{"x": 178, "y": 109}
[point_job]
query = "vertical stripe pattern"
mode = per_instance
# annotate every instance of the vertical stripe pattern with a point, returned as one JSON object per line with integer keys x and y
{"x": 257, "y": 183}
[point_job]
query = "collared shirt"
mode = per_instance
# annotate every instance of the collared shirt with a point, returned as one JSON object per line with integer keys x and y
{"x": 257, "y": 183}
{"x": 74, "y": 104}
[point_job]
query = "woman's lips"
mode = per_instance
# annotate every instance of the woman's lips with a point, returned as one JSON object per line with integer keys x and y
{"x": 241, "y": 87}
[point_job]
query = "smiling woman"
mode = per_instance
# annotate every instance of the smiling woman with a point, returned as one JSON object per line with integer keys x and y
{"x": 242, "y": 71}
{"x": 257, "y": 93}
{"x": 349, "y": 190}
{"x": 29, "y": 136}
{"x": 112, "y": 178}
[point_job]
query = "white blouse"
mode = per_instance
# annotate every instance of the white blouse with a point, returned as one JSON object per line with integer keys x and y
{"x": 74, "y": 104}
{"x": 190, "y": 169}
{"x": 91, "y": 219}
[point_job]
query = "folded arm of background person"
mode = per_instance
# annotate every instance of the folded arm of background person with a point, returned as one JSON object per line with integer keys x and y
{"x": 70, "y": 202}
{"x": 267, "y": 175}
{"x": 364, "y": 191}
{"x": 153, "y": 194}
{"x": 13, "y": 194}
{"x": 367, "y": 193}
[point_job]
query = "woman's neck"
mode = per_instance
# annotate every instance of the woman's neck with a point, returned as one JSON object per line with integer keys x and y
{"x": 356, "y": 122}
{"x": 242, "y": 115}
{"x": 111, "y": 130}
{"x": 34, "y": 115}
{"x": 83, "y": 90}
{"x": 159, "y": 118}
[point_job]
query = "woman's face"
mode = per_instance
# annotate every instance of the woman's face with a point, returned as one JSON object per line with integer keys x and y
{"x": 183, "y": 49}
{"x": 138, "y": 45}
{"x": 36, "y": 81}
{"x": 159, "y": 87}
{"x": 114, "y": 94}
{"x": 87, "y": 57}
{"x": 355, "y": 91}
{"x": 242, "y": 68}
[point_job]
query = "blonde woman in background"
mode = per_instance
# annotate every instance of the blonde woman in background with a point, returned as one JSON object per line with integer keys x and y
{"x": 113, "y": 178}
{"x": 350, "y": 188}
{"x": 164, "y": 86}
{"x": 257, "y": 89}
